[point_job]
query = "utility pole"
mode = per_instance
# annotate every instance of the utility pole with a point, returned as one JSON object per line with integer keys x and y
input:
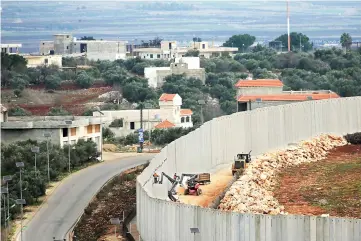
{"x": 201, "y": 103}
{"x": 35, "y": 150}
{"x": 7, "y": 179}
{"x": 69, "y": 123}
{"x": 3, "y": 192}
{"x": 300, "y": 43}
{"x": 21, "y": 165}
{"x": 47, "y": 135}
{"x": 288, "y": 27}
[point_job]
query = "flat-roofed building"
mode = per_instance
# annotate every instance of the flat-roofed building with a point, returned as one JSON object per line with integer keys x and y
{"x": 11, "y": 48}
{"x": 253, "y": 94}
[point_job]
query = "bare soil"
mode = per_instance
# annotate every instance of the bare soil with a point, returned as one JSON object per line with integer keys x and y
{"x": 331, "y": 186}
{"x": 210, "y": 192}
{"x": 39, "y": 101}
{"x": 116, "y": 197}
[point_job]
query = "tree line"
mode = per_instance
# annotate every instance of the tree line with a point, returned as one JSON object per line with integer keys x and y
{"x": 332, "y": 69}
{"x": 34, "y": 183}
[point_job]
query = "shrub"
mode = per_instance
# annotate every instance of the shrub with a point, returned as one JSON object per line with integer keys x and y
{"x": 17, "y": 111}
{"x": 116, "y": 123}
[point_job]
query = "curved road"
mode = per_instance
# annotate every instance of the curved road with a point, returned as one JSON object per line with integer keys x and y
{"x": 68, "y": 201}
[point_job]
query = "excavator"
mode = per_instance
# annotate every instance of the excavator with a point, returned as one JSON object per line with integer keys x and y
{"x": 171, "y": 191}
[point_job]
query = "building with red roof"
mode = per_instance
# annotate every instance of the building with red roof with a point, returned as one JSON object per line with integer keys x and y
{"x": 252, "y": 94}
{"x": 169, "y": 115}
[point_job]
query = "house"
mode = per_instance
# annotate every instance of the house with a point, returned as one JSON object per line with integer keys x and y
{"x": 34, "y": 61}
{"x": 168, "y": 115}
{"x": 252, "y": 94}
{"x": 61, "y": 131}
{"x": 190, "y": 66}
{"x": 170, "y": 49}
{"x": 67, "y": 45}
{"x": 10, "y": 48}
{"x": 3, "y": 113}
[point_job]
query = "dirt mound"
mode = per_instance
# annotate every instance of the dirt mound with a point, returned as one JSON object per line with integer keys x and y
{"x": 252, "y": 192}
{"x": 110, "y": 148}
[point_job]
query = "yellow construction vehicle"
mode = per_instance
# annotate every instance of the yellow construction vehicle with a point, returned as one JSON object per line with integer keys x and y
{"x": 241, "y": 163}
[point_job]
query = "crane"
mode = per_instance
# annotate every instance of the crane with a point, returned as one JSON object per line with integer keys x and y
{"x": 174, "y": 181}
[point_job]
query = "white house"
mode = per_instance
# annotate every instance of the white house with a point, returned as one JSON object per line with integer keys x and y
{"x": 170, "y": 49}
{"x": 168, "y": 115}
{"x": 190, "y": 66}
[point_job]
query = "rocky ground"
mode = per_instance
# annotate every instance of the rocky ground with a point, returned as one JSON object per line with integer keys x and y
{"x": 253, "y": 191}
{"x": 118, "y": 196}
{"x": 331, "y": 186}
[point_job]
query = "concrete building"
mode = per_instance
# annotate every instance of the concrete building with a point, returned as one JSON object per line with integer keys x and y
{"x": 43, "y": 60}
{"x": 3, "y": 113}
{"x": 252, "y": 94}
{"x": 168, "y": 115}
{"x": 67, "y": 45}
{"x": 169, "y": 50}
{"x": 24, "y": 128}
{"x": 190, "y": 66}
{"x": 10, "y": 48}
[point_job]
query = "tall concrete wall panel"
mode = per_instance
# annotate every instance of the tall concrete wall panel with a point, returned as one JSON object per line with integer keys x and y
{"x": 217, "y": 142}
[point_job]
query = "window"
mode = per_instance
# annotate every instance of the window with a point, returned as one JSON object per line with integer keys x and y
{"x": 158, "y": 56}
{"x": 65, "y": 132}
{"x": 187, "y": 119}
{"x": 132, "y": 126}
{"x": 67, "y": 47}
{"x": 97, "y": 128}
{"x": 89, "y": 129}
{"x": 203, "y": 46}
{"x": 182, "y": 120}
{"x": 73, "y": 131}
{"x": 46, "y": 61}
{"x": 170, "y": 45}
{"x": 151, "y": 56}
{"x": 144, "y": 56}
{"x": 67, "y": 36}
{"x": 43, "y": 43}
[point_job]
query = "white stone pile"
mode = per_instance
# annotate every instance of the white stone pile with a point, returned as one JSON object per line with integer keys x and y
{"x": 252, "y": 192}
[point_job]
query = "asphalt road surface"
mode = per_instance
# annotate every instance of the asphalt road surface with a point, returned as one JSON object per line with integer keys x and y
{"x": 68, "y": 201}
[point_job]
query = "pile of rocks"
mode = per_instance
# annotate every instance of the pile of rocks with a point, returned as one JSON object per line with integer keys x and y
{"x": 252, "y": 192}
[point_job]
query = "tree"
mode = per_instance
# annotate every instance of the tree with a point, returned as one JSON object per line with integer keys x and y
{"x": 108, "y": 135}
{"x": 13, "y": 62}
{"x": 84, "y": 80}
{"x": 241, "y": 41}
{"x": 18, "y": 111}
{"x": 115, "y": 75}
{"x": 19, "y": 82}
{"x": 297, "y": 39}
{"x": 139, "y": 68}
{"x": 52, "y": 82}
{"x": 138, "y": 92}
{"x": 192, "y": 53}
{"x": 58, "y": 111}
{"x": 346, "y": 40}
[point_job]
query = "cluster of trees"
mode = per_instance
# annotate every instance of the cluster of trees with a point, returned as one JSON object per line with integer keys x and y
{"x": 34, "y": 183}
{"x": 332, "y": 69}
{"x": 159, "y": 137}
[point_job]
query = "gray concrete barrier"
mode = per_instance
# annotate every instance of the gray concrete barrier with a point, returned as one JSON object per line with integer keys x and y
{"x": 216, "y": 143}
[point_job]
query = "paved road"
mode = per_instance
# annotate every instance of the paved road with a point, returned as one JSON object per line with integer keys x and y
{"x": 68, "y": 201}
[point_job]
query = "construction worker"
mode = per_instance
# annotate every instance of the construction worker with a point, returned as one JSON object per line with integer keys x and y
{"x": 155, "y": 176}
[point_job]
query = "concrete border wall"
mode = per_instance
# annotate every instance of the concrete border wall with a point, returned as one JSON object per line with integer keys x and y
{"x": 216, "y": 143}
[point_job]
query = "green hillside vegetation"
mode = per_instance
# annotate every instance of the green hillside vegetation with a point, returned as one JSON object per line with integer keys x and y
{"x": 332, "y": 69}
